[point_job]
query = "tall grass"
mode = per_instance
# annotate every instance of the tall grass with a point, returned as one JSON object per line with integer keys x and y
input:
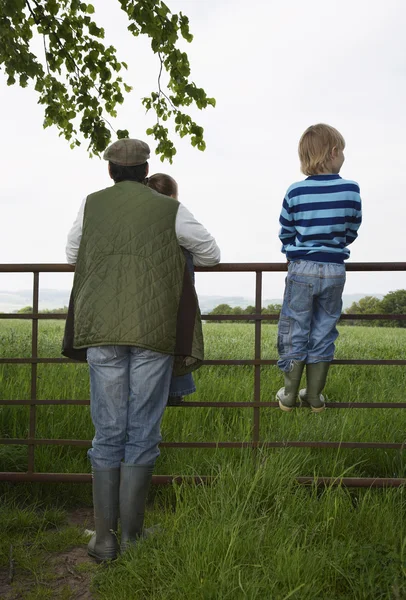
{"x": 57, "y": 381}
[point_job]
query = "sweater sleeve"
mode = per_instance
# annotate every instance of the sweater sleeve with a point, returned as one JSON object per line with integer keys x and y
{"x": 287, "y": 233}
{"x": 355, "y": 221}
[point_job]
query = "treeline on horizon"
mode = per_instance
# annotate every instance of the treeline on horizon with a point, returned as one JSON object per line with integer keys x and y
{"x": 392, "y": 303}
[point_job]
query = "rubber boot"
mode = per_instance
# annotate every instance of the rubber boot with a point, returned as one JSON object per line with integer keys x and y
{"x": 103, "y": 544}
{"x": 311, "y": 397}
{"x": 134, "y": 484}
{"x": 288, "y": 394}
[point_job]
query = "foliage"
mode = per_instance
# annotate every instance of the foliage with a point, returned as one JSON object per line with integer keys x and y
{"x": 79, "y": 80}
{"x": 368, "y": 305}
{"x": 57, "y": 311}
{"x": 24, "y": 311}
{"x": 226, "y": 309}
{"x": 222, "y": 309}
{"x": 28, "y": 309}
{"x": 392, "y": 303}
{"x": 395, "y": 303}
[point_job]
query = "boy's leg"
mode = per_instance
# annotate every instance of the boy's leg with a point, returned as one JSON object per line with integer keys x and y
{"x": 323, "y": 333}
{"x": 327, "y": 311}
{"x": 294, "y": 330}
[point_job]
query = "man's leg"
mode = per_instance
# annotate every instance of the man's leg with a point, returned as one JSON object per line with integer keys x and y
{"x": 109, "y": 392}
{"x": 150, "y": 376}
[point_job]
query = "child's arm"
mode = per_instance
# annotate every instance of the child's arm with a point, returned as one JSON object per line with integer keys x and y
{"x": 356, "y": 220}
{"x": 287, "y": 233}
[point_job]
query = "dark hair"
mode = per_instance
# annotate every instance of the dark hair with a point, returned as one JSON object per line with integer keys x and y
{"x": 163, "y": 184}
{"x": 120, "y": 173}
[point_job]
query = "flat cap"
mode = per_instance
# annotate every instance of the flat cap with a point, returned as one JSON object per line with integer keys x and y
{"x": 127, "y": 153}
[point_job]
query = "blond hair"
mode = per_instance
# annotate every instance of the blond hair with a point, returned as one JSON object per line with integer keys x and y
{"x": 315, "y": 148}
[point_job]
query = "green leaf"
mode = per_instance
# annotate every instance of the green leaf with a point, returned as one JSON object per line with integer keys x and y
{"x": 77, "y": 80}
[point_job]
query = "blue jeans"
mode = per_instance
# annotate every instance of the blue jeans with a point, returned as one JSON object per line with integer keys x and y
{"x": 183, "y": 385}
{"x": 128, "y": 394}
{"x": 311, "y": 307}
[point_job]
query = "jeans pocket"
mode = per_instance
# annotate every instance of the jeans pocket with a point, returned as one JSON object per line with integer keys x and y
{"x": 100, "y": 355}
{"x": 333, "y": 303}
{"x": 284, "y": 337}
{"x": 300, "y": 296}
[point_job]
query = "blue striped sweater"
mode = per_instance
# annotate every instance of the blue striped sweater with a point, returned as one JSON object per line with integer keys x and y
{"x": 320, "y": 218}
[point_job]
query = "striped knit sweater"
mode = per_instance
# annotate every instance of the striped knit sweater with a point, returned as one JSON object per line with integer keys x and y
{"x": 320, "y": 218}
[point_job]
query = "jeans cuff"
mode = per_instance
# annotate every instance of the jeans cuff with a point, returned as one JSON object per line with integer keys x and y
{"x": 182, "y": 393}
{"x": 316, "y": 359}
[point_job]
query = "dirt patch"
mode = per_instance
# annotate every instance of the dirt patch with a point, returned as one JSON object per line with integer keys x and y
{"x": 66, "y": 574}
{"x": 81, "y": 517}
{"x": 71, "y": 574}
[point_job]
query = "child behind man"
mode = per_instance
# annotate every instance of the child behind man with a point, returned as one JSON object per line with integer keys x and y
{"x": 182, "y": 385}
{"x": 319, "y": 219}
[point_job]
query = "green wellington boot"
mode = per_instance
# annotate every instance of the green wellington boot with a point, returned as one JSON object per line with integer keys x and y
{"x": 311, "y": 397}
{"x": 134, "y": 484}
{"x": 288, "y": 394}
{"x": 104, "y": 545}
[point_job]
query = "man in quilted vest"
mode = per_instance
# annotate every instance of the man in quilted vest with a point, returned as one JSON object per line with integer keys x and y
{"x": 134, "y": 315}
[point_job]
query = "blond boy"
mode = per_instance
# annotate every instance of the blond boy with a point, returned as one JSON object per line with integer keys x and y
{"x": 319, "y": 219}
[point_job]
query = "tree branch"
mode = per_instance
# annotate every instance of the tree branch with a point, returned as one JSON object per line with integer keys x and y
{"x": 45, "y": 52}
{"x": 77, "y": 68}
{"x": 159, "y": 84}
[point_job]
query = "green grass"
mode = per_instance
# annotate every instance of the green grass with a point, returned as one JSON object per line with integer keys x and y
{"x": 31, "y": 536}
{"x": 212, "y": 424}
{"x": 254, "y": 533}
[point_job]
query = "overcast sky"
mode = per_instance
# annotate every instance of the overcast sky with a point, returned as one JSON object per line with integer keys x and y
{"x": 274, "y": 68}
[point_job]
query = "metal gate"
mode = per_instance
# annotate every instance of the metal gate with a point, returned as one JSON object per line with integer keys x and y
{"x": 32, "y": 441}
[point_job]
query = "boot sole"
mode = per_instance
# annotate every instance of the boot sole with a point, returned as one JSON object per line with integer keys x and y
{"x": 285, "y": 408}
{"x": 318, "y": 410}
{"x": 303, "y": 403}
{"x": 99, "y": 559}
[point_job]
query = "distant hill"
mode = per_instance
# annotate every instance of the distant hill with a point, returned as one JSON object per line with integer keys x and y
{"x": 11, "y": 301}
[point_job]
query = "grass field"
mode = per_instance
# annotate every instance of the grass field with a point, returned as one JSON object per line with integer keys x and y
{"x": 254, "y": 533}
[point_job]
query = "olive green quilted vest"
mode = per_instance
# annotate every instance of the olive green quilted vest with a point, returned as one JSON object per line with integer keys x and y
{"x": 131, "y": 285}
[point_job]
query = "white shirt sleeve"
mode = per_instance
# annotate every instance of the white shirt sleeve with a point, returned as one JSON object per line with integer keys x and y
{"x": 190, "y": 233}
{"x": 74, "y": 236}
{"x": 195, "y": 238}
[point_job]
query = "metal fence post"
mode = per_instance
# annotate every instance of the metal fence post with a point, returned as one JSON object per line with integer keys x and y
{"x": 34, "y": 367}
{"x": 257, "y": 355}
